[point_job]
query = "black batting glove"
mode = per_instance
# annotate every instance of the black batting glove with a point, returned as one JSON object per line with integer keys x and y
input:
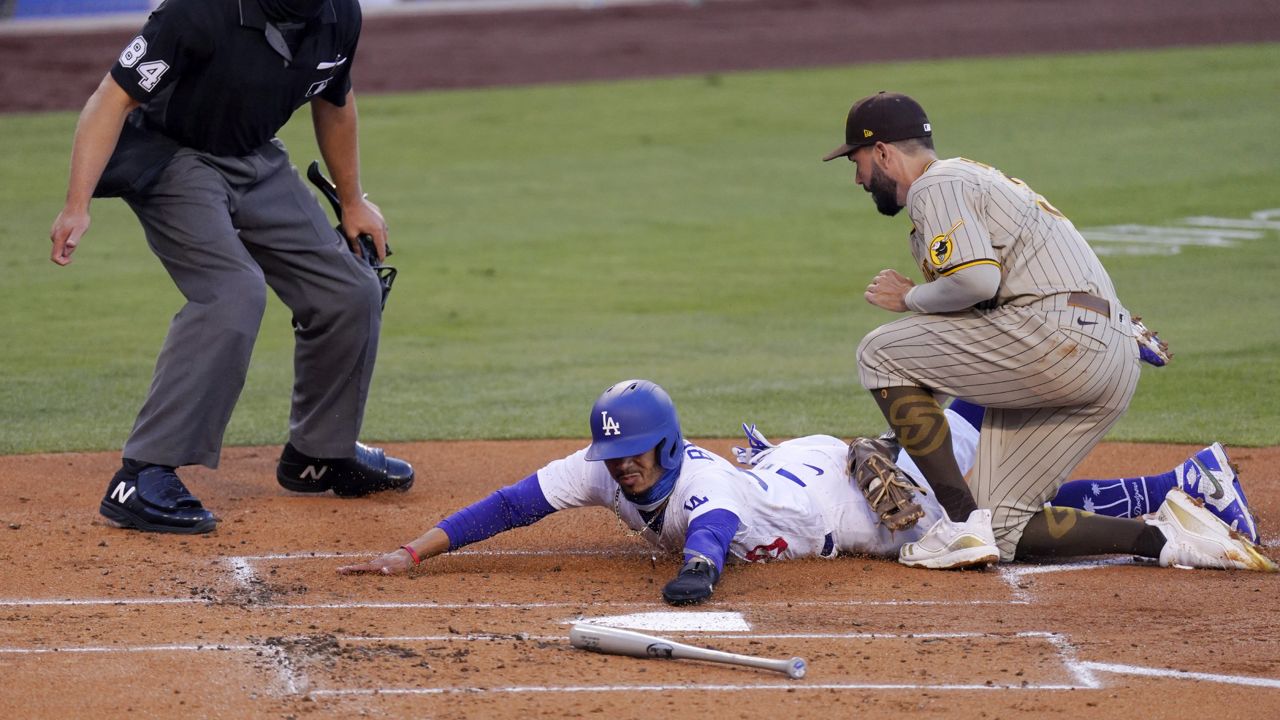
{"x": 694, "y": 583}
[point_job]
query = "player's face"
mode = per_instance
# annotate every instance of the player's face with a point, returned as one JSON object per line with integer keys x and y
{"x": 873, "y": 179}
{"x": 637, "y": 473}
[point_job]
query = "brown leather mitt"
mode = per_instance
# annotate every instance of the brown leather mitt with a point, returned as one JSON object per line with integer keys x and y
{"x": 889, "y": 490}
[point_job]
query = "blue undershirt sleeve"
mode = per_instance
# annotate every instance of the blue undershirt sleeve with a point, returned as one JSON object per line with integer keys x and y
{"x": 710, "y": 535}
{"x": 511, "y": 507}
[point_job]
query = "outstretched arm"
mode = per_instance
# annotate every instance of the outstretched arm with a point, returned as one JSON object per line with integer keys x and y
{"x": 705, "y": 549}
{"x": 511, "y": 507}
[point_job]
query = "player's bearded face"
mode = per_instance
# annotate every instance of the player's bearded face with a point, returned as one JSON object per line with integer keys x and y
{"x": 637, "y": 473}
{"x": 884, "y": 191}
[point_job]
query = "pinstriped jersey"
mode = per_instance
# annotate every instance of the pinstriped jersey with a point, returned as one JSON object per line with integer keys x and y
{"x": 965, "y": 213}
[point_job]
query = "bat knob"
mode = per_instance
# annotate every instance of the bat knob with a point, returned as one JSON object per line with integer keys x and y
{"x": 797, "y": 667}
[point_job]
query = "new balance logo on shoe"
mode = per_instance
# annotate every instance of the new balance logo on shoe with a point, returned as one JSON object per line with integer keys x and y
{"x": 311, "y": 473}
{"x": 120, "y": 494}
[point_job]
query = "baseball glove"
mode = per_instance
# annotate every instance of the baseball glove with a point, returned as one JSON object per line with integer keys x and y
{"x": 889, "y": 490}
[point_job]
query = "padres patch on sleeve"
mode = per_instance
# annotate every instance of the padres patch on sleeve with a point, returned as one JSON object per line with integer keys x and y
{"x": 941, "y": 247}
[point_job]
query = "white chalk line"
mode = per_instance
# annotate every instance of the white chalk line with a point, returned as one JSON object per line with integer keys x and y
{"x": 25, "y": 602}
{"x": 577, "y": 552}
{"x": 1013, "y": 574}
{"x": 499, "y": 637}
{"x": 295, "y": 681}
{"x": 292, "y": 680}
{"x": 1183, "y": 674}
{"x": 241, "y": 571}
{"x": 796, "y": 686}
{"x": 218, "y": 647}
{"x": 1070, "y": 659}
{"x": 416, "y": 605}
{"x": 243, "y": 575}
{"x": 494, "y": 637}
{"x": 412, "y": 605}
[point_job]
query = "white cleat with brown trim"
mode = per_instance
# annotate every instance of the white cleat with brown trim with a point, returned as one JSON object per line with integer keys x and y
{"x": 1196, "y": 538}
{"x": 952, "y": 545}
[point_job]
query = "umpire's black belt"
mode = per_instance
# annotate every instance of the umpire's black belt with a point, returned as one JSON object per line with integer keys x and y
{"x": 1089, "y": 302}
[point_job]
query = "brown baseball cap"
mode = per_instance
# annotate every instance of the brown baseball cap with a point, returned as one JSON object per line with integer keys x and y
{"x": 883, "y": 117}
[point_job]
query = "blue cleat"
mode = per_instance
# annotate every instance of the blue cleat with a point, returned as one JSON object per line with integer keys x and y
{"x": 1209, "y": 476}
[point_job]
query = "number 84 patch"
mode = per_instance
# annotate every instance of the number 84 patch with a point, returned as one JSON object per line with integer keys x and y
{"x": 150, "y": 71}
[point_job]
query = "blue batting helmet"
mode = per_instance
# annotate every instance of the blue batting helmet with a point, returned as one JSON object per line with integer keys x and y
{"x": 633, "y": 417}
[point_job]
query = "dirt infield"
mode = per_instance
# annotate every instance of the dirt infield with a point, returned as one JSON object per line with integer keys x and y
{"x": 252, "y": 621}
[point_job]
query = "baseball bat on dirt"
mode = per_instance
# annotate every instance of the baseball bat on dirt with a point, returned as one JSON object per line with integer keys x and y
{"x": 599, "y": 638}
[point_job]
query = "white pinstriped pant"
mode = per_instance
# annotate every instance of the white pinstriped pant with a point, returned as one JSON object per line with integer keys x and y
{"x": 1054, "y": 378}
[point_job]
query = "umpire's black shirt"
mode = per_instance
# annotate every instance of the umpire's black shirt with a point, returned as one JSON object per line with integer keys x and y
{"x": 217, "y": 76}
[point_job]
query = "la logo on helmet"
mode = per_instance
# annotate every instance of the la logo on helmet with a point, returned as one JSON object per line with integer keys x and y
{"x": 608, "y": 425}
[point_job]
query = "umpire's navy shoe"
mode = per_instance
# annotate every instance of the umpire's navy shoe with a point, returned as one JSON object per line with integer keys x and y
{"x": 370, "y": 471}
{"x": 151, "y": 498}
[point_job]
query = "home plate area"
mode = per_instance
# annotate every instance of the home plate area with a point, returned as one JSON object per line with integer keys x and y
{"x": 267, "y": 641}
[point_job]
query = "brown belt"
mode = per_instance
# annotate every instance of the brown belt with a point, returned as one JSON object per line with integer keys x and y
{"x": 1089, "y": 302}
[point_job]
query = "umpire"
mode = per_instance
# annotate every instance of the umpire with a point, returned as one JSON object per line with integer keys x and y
{"x": 182, "y": 128}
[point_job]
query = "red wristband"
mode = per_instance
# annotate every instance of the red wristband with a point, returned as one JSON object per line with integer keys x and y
{"x": 416, "y": 560}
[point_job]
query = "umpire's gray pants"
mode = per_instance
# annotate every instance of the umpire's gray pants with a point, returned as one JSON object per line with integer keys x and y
{"x": 225, "y": 228}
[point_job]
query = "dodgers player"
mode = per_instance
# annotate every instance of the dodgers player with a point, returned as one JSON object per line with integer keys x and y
{"x": 794, "y": 500}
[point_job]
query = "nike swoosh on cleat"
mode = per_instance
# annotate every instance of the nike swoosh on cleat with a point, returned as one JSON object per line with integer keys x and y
{"x": 1082, "y": 322}
{"x": 1217, "y": 493}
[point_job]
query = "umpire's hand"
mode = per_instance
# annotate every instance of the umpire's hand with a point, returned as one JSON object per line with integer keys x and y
{"x": 69, "y": 226}
{"x": 364, "y": 218}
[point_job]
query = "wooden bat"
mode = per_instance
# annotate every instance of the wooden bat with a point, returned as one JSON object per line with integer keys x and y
{"x": 599, "y": 638}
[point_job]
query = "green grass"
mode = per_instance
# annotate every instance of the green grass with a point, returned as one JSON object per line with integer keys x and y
{"x": 552, "y": 240}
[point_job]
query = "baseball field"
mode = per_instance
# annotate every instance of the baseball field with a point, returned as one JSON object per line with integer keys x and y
{"x": 580, "y": 196}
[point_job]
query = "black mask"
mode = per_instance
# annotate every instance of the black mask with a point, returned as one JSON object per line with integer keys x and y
{"x": 292, "y": 10}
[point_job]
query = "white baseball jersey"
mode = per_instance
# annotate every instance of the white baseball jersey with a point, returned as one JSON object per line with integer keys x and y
{"x": 796, "y": 501}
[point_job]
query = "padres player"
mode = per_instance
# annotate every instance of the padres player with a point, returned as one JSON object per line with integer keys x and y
{"x": 1016, "y": 314}
{"x": 182, "y": 128}
{"x": 793, "y": 500}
